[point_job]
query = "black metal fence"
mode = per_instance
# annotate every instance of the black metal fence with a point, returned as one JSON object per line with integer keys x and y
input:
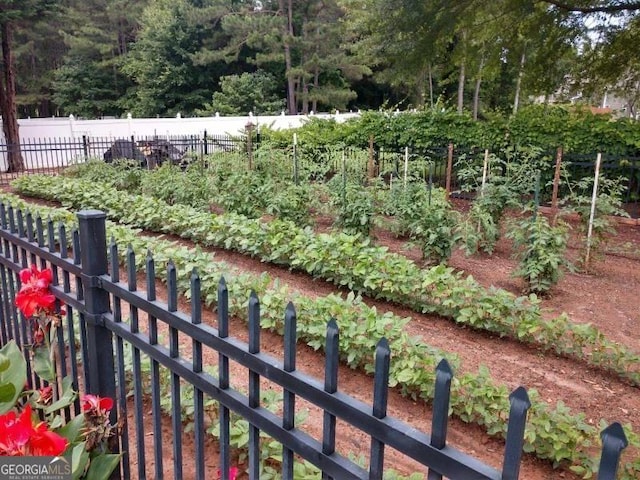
{"x": 131, "y": 343}
{"x": 51, "y": 155}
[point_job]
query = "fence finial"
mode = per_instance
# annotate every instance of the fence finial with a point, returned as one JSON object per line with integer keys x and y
{"x": 614, "y": 441}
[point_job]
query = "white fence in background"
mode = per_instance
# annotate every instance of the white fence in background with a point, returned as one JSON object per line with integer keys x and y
{"x": 72, "y": 129}
{"x": 69, "y": 127}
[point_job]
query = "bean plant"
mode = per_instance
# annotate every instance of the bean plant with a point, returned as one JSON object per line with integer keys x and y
{"x": 608, "y": 203}
{"x": 122, "y": 174}
{"x": 354, "y": 206}
{"x": 426, "y": 217}
{"x": 541, "y": 249}
{"x": 292, "y": 203}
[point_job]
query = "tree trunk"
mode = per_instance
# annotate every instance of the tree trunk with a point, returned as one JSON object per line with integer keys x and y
{"x": 516, "y": 100}
{"x": 288, "y": 34}
{"x": 430, "y": 85}
{"x": 15, "y": 162}
{"x": 476, "y": 92}
{"x": 305, "y": 98}
{"x": 316, "y": 84}
{"x": 461, "y": 80}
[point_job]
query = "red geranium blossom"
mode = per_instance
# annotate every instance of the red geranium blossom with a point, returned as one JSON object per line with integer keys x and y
{"x": 34, "y": 292}
{"x": 96, "y": 404}
{"x": 19, "y": 437}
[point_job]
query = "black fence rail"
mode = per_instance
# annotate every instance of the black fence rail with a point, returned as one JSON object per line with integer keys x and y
{"x": 123, "y": 341}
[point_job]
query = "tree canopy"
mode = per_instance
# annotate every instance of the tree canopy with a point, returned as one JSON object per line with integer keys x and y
{"x": 195, "y": 57}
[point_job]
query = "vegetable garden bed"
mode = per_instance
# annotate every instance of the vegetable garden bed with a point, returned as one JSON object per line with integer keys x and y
{"x": 577, "y": 385}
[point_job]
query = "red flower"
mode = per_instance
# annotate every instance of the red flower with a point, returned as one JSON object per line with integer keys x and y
{"x": 44, "y": 443}
{"x": 19, "y": 437}
{"x": 34, "y": 292}
{"x": 96, "y": 404}
{"x": 15, "y": 432}
{"x": 46, "y": 395}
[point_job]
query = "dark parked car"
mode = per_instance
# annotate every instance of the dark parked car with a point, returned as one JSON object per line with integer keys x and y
{"x": 150, "y": 153}
{"x": 124, "y": 149}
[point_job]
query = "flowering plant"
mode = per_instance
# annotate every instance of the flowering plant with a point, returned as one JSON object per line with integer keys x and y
{"x": 31, "y": 420}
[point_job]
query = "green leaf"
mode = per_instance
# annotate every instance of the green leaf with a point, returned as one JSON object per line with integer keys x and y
{"x": 4, "y": 362}
{"x": 42, "y": 364}
{"x": 101, "y": 466}
{"x": 71, "y": 431}
{"x": 79, "y": 460}
{"x": 13, "y": 377}
{"x": 7, "y": 392}
{"x": 67, "y": 398}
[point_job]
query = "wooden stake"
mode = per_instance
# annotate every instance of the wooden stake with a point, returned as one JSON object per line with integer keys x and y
{"x": 406, "y": 165}
{"x": 593, "y": 211}
{"x": 449, "y": 168}
{"x": 556, "y": 186}
{"x": 295, "y": 159}
{"x": 371, "y": 166}
{"x": 249, "y": 128}
{"x": 484, "y": 170}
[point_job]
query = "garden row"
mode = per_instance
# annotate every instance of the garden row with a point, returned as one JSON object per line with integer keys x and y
{"x": 352, "y": 262}
{"x": 552, "y": 433}
{"x": 409, "y": 209}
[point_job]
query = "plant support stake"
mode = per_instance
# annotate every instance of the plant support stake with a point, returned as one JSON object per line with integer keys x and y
{"x": 344, "y": 179}
{"x": 536, "y": 196}
{"x": 406, "y": 165}
{"x": 593, "y": 211}
{"x": 295, "y": 158}
{"x": 430, "y": 181}
{"x": 484, "y": 170}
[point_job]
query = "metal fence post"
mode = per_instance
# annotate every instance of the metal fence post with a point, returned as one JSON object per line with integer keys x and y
{"x": 520, "y": 404}
{"x": 85, "y": 147}
{"x": 99, "y": 363}
{"x": 440, "y": 418}
{"x": 614, "y": 441}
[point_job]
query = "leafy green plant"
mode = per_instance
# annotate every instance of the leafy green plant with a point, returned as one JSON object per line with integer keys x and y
{"x": 354, "y": 205}
{"x": 244, "y": 193}
{"x": 291, "y": 203}
{"x": 122, "y": 174}
{"x": 541, "y": 250}
{"x": 426, "y": 217}
{"x": 173, "y": 185}
{"x": 608, "y": 203}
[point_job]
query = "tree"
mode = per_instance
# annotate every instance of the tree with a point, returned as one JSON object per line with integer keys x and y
{"x": 595, "y": 6}
{"x": 614, "y": 66}
{"x": 300, "y": 40}
{"x": 12, "y": 14}
{"x": 169, "y": 75}
{"x": 38, "y": 51}
{"x": 250, "y": 92}
{"x": 90, "y": 83}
